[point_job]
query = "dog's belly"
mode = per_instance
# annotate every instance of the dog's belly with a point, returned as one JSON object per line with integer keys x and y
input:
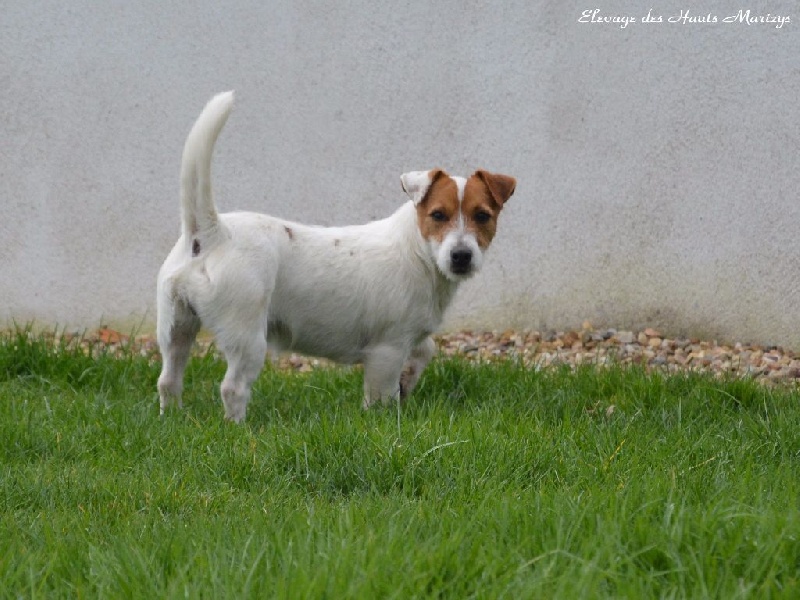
{"x": 315, "y": 339}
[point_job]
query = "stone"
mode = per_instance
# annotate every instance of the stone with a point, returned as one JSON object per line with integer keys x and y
{"x": 625, "y": 337}
{"x": 570, "y": 338}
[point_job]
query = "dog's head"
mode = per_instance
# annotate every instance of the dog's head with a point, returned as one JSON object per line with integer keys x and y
{"x": 457, "y": 217}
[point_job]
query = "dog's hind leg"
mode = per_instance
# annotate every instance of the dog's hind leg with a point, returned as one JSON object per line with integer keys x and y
{"x": 245, "y": 360}
{"x": 177, "y": 329}
{"x": 382, "y": 368}
{"x": 421, "y": 355}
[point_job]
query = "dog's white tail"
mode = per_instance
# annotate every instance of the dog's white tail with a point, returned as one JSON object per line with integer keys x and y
{"x": 198, "y": 214}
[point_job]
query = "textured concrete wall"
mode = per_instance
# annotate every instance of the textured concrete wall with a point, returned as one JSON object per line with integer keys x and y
{"x": 657, "y": 163}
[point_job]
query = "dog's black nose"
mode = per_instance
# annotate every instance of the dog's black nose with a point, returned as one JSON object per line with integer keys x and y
{"x": 460, "y": 259}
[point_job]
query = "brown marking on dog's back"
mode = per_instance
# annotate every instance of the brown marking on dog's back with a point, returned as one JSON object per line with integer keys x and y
{"x": 289, "y": 232}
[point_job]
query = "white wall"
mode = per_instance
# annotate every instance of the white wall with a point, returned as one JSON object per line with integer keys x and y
{"x": 657, "y": 164}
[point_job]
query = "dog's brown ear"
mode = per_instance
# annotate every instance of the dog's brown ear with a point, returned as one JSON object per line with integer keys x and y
{"x": 417, "y": 183}
{"x": 501, "y": 187}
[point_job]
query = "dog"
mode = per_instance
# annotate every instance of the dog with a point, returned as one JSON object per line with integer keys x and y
{"x": 369, "y": 294}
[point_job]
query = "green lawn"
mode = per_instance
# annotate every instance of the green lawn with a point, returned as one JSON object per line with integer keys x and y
{"x": 495, "y": 481}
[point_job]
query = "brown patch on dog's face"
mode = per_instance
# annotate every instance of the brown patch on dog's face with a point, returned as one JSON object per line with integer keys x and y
{"x": 485, "y": 194}
{"x": 438, "y": 210}
{"x": 480, "y": 211}
{"x": 443, "y": 209}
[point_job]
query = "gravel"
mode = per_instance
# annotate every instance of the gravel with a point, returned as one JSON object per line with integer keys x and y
{"x": 587, "y": 345}
{"x": 609, "y": 346}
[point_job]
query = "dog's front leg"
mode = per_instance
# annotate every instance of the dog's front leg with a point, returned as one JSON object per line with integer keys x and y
{"x": 382, "y": 368}
{"x": 416, "y": 363}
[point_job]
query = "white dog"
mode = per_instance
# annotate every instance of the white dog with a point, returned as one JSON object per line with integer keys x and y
{"x": 368, "y": 294}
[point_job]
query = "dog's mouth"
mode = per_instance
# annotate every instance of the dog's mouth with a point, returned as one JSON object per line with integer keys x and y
{"x": 460, "y": 270}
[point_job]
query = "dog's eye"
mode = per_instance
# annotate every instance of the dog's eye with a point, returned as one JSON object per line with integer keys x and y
{"x": 482, "y": 217}
{"x": 439, "y": 216}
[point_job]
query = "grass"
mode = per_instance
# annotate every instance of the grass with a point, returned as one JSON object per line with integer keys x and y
{"x": 495, "y": 481}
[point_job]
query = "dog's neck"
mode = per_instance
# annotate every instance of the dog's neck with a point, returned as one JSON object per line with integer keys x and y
{"x": 443, "y": 288}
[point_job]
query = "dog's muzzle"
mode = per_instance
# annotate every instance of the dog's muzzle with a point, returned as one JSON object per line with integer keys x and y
{"x": 461, "y": 260}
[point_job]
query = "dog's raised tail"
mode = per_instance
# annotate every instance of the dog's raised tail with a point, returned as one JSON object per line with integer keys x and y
{"x": 198, "y": 212}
